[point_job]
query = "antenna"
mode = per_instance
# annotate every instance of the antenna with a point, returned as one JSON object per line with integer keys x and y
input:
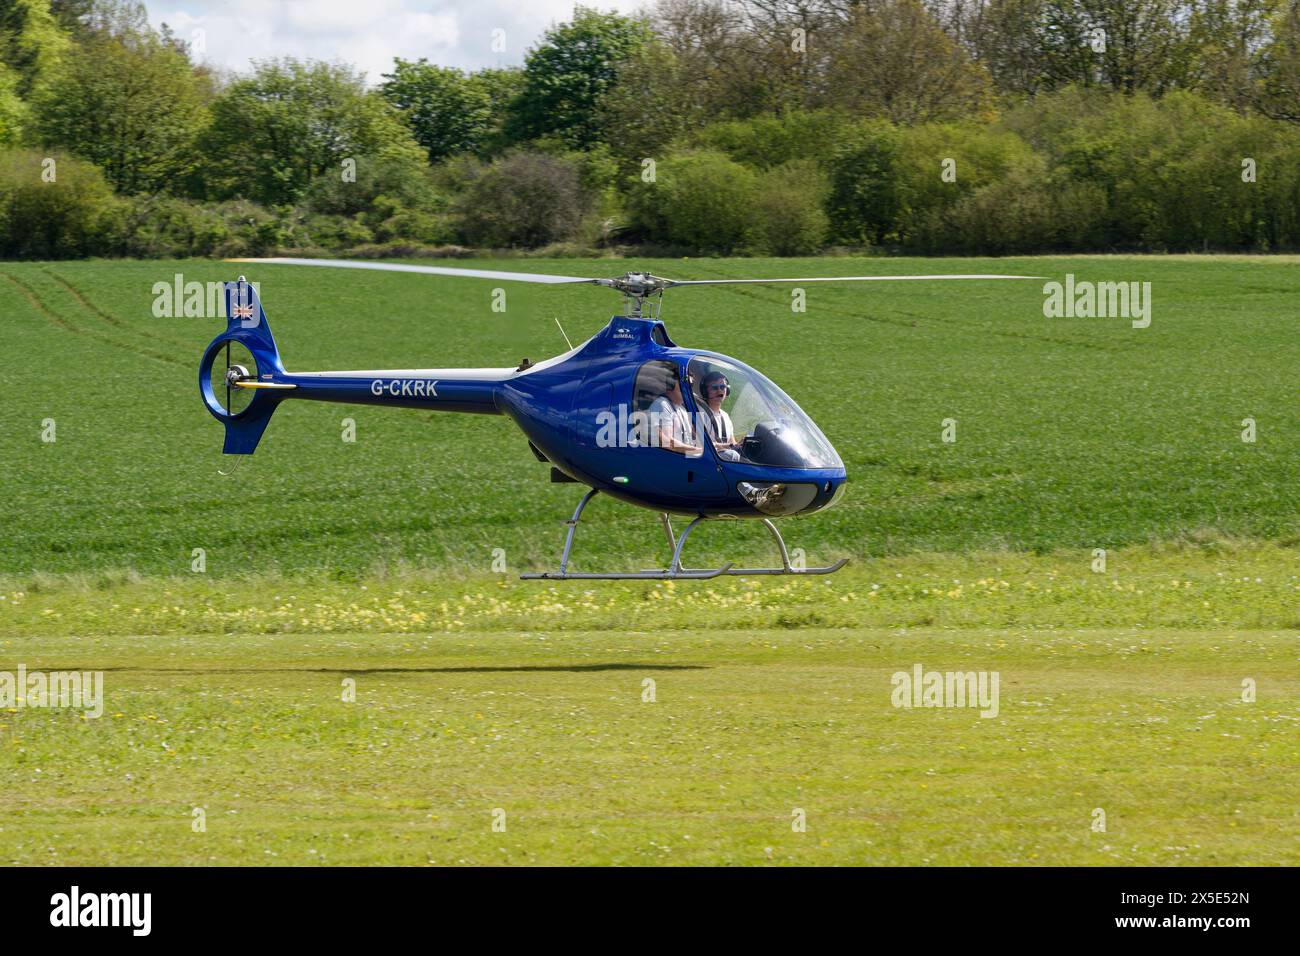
{"x": 562, "y": 332}
{"x": 233, "y": 468}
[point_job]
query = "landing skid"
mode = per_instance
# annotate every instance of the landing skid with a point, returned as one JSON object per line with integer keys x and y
{"x": 674, "y": 571}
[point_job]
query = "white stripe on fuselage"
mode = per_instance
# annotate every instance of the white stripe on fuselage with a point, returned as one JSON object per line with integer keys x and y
{"x": 447, "y": 374}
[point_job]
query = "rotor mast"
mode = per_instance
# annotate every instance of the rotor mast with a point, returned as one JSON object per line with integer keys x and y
{"x": 638, "y": 289}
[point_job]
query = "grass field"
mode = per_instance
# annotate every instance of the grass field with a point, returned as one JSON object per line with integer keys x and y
{"x": 329, "y": 563}
{"x": 1071, "y": 433}
{"x": 746, "y": 728}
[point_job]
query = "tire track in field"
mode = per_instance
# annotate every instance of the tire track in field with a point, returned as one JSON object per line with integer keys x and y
{"x": 89, "y": 306}
{"x": 61, "y": 322}
{"x": 955, "y": 324}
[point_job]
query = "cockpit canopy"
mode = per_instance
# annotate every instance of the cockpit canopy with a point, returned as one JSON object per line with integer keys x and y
{"x": 759, "y": 424}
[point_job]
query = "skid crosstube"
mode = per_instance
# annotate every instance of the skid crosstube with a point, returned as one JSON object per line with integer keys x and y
{"x": 674, "y": 571}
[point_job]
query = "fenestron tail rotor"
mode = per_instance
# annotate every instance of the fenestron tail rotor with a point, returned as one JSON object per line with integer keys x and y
{"x": 235, "y": 367}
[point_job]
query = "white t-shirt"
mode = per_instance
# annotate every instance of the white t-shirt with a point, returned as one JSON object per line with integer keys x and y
{"x": 719, "y": 424}
{"x": 665, "y": 414}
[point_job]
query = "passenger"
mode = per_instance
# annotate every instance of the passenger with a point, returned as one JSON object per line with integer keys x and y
{"x": 668, "y": 411}
{"x": 717, "y": 422}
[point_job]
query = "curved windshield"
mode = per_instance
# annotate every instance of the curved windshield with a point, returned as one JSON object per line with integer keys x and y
{"x": 748, "y": 419}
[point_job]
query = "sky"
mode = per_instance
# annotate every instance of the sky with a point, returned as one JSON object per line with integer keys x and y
{"x": 469, "y": 34}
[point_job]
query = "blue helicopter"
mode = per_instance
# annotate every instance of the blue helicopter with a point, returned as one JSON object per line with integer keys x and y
{"x": 629, "y": 413}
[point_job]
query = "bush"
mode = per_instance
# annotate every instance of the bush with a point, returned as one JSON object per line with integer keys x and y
{"x": 1013, "y": 214}
{"x": 376, "y": 176}
{"x": 525, "y": 199}
{"x": 331, "y": 232}
{"x": 863, "y": 203}
{"x": 74, "y": 216}
{"x": 887, "y": 185}
{"x": 254, "y": 230}
{"x": 414, "y": 225}
{"x": 700, "y": 201}
{"x": 788, "y": 215}
{"x": 161, "y": 227}
{"x": 1169, "y": 171}
{"x": 978, "y": 157}
{"x": 765, "y": 142}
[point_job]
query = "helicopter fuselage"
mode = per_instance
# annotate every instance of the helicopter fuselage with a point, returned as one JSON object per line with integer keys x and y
{"x": 601, "y": 442}
{"x": 584, "y": 412}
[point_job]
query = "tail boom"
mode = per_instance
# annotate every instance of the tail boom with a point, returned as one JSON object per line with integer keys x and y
{"x": 266, "y": 383}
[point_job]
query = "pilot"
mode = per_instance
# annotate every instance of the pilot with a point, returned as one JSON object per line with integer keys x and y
{"x": 674, "y": 421}
{"x": 717, "y": 422}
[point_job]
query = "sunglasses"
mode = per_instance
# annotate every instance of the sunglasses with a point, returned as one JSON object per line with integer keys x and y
{"x": 718, "y": 386}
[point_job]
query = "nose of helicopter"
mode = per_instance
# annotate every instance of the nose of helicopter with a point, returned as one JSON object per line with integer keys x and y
{"x": 831, "y": 496}
{"x": 803, "y": 495}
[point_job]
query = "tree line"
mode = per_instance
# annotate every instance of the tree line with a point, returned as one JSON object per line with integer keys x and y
{"x": 770, "y": 127}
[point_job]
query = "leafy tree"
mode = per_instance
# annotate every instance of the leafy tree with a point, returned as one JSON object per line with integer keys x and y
{"x": 1144, "y": 43}
{"x": 73, "y": 15}
{"x": 649, "y": 106}
{"x": 13, "y": 111}
{"x": 893, "y": 59}
{"x": 1123, "y": 45}
{"x": 1006, "y": 38}
{"x": 130, "y": 103}
{"x": 502, "y": 87}
{"x": 31, "y": 42}
{"x": 1222, "y": 40}
{"x": 446, "y": 110}
{"x": 1277, "y": 92}
{"x": 723, "y": 60}
{"x": 568, "y": 74}
{"x": 292, "y": 121}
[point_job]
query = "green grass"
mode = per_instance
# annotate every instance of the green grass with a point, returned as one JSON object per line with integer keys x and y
{"x": 746, "y": 727}
{"x": 1206, "y": 584}
{"x": 1072, "y": 433}
{"x": 1121, "y": 688}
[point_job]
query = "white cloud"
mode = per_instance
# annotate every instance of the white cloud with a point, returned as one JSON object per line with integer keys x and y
{"x": 365, "y": 33}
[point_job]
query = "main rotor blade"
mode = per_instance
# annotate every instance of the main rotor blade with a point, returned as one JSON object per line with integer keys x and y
{"x": 427, "y": 270}
{"x": 672, "y": 283}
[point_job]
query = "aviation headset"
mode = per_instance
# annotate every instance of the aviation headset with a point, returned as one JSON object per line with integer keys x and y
{"x": 713, "y": 377}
